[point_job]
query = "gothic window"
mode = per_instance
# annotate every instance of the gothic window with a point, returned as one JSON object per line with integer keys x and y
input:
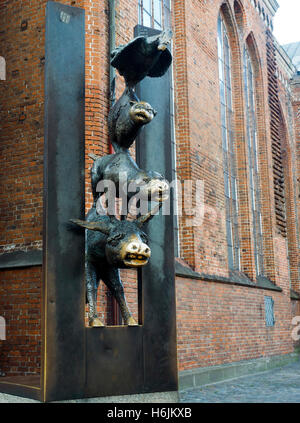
{"x": 155, "y": 13}
{"x": 229, "y": 161}
{"x": 251, "y": 140}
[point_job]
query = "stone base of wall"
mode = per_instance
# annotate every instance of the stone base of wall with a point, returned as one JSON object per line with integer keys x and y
{"x": 208, "y": 375}
{"x": 157, "y": 397}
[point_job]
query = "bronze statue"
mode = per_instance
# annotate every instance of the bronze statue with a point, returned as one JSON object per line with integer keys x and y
{"x": 128, "y": 178}
{"x": 113, "y": 244}
{"x": 126, "y": 118}
{"x": 143, "y": 56}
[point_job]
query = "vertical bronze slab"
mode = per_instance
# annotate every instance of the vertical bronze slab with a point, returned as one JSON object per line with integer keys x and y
{"x": 114, "y": 361}
{"x": 63, "y": 261}
{"x": 154, "y": 151}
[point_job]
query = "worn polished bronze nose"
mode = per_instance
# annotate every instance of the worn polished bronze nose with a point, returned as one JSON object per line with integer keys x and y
{"x": 138, "y": 248}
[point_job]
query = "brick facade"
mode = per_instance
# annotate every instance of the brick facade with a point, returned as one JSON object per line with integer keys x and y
{"x": 20, "y": 304}
{"x": 220, "y": 313}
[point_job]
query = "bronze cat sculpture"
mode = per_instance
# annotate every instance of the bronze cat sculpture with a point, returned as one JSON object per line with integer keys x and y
{"x": 126, "y": 119}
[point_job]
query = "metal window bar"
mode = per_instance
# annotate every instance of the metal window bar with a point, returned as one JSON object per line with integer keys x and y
{"x": 269, "y": 311}
{"x": 155, "y": 13}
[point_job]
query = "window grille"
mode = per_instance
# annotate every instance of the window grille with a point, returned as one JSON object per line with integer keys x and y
{"x": 269, "y": 311}
{"x": 229, "y": 160}
{"x": 155, "y": 13}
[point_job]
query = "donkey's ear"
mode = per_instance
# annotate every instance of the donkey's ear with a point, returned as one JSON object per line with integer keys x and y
{"x": 93, "y": 226}
{"x": 143, "y": 219}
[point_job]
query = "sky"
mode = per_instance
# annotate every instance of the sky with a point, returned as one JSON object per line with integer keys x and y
{"x": 287, "y": 21}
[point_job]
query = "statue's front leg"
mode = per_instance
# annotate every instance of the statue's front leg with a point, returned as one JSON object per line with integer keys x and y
{"x": 111, "y": 278}
{"x": 125, "y": 312}
{"x": 92, "y": 282}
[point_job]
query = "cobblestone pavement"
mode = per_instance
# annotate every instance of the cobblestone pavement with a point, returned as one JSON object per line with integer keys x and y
{"x": 281, "y": 385}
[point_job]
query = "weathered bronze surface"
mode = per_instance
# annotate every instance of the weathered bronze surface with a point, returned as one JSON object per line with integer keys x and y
{"x": 127, "y": 177}
{"x": 63, "y": 333}
{"x": 112, "y": 244}
{"x": 143, "y": 56}
{"x": 157, "y": 280}
{"x": 121, "y": 244}
{"x": 126, "y": 119}
{"x": 80, "y": 361}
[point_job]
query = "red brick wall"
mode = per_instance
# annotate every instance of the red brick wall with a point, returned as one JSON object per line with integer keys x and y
{"x": 21, "y": 202}
{"x": 20, "y": 305}
{"x": 287, "y": 153}
{"x": 21, "y": 117}
{"x": 22, "y": 120}
{"x": 198, "y": 131}
{"x": 212, "y": 318}
{"x": 22, "y": 37}
{"x": 219, "y": 323}
{"x": 296, "y": 313}
{"x": 296, "y": 114}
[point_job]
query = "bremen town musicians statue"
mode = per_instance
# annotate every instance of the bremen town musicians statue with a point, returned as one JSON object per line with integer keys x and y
{"x": 113, "y": 244}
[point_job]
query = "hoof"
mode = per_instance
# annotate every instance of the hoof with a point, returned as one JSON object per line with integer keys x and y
{"x": 131, "y": 322}
{"x": 96, "y": 323}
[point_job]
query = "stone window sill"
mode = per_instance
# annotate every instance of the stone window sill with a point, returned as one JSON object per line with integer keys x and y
{"x": 235, "y": 278}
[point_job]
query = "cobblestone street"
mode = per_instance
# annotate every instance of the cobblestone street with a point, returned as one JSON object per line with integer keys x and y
{"x": 281, "y": 385}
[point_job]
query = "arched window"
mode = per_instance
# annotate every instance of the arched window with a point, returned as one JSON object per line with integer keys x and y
{"x": 251, "y": 140}
{"x": 155, "y": 13}
{"x": 229, "y": 160}
{"x": 2, "y": 69}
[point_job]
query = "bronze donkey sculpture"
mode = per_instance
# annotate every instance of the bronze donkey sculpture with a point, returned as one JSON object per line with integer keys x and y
{"x": 111, "y": 245}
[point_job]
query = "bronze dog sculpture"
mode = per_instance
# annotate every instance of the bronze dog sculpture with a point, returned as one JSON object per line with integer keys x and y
{"x": 128, "y": 179}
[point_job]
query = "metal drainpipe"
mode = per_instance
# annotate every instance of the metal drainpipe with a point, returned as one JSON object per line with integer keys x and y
{"x": 112, "y": 46}
{"x": 117, "y": 320}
